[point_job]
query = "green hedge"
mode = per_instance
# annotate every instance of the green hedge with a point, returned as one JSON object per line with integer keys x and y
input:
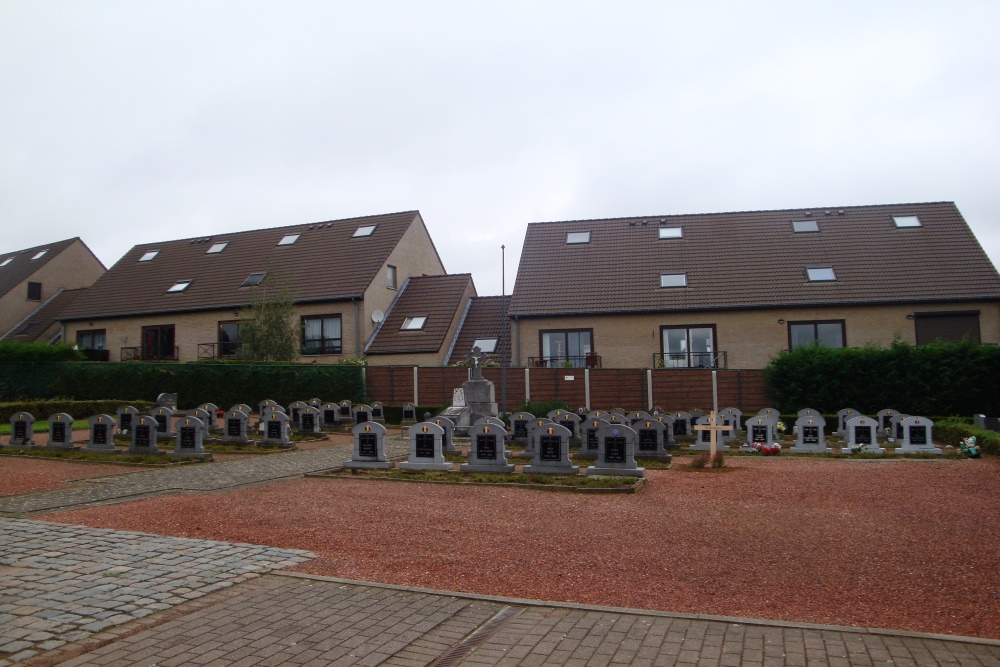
{"x": 10, "y": 351}
{"x": 938, "y": 379}
{"x": 953, "y": 431}
{"x": 41, "y": 410}
{"x": 222, "y": 384}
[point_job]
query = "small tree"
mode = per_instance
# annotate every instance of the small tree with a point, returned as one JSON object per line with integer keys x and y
{"x": 268, "y": 331}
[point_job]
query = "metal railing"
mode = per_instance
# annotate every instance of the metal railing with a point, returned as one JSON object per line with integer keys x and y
{"x": 690, "y": 360}
{"x": 138, "y": 354}
{"x": 220, "y": 350}
{"x": 563, "y": 361}
{"x": 96, "y": 355}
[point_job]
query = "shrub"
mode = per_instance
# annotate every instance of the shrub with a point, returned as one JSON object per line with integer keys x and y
{"x": 542, "y": 408}
{"x": 699, "y": 461}
{"x": 953, "y": 431}
{"x": 41, "y": 410}
{"x": 718, "y": 461}
{"x": 11, "y": 351}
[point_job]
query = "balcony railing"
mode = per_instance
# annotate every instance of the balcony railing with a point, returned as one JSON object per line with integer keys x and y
{"x": 561, "y": 361}
{"x": 96, "y": 355}
{"x": 220, "y": 350}
{"x": 690, "y": 360}
{"x": 138, "y": 354}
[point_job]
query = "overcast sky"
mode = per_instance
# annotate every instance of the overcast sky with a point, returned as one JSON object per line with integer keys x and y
{"x": 131, "y": 122}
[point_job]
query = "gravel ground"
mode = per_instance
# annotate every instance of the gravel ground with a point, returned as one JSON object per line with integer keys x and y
{"x": 24, "y": 474}
{"x": 897, "y": 544}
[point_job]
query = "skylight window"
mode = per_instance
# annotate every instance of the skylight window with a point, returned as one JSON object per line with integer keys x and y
{"x": 7, "y": 261}
{"x": 821, "y": 274}
{"x": 26, "y": 329}
{"x": 367, "y": 230}
{"x": 671, "y": 232}
{"x": 217, "y": 247}
{"x": 801, "y": 226}
{"x": 577, "y": 237}
{"x": 673, "y": 280}
{"x": 289, "y": 239}
{"x": 40, "y": 254}
{"x": 180, "y": 286}
{"x": 413, "y": 323}
{"x": 487, "y": 345}
{"x": 149, "y": 255}
{"x": 906, "y": 221}
{"x": 253, "y": 279}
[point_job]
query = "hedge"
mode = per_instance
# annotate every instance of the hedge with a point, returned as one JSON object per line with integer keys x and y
{"x": 222, "y": 384}
{"x": 11, "y": 351}
{"x": 937, "y": 379}
{"x": 41, "y": 410}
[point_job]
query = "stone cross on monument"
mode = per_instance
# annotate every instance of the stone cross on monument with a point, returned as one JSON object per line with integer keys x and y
{"x": 714, "y": 426}
{"x": 476, "y": 356}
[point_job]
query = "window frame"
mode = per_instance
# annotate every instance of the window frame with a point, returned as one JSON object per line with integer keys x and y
{"x": 682, "y": 274}
{"x": 578, "y": 237}
{"x": 814, "y": 323}
{"x": 289, "y": 239}
{"x": 390, "y": 277}
{"x": 326, "y": 345}
{"x": 180, "y": 286}
{"x": 6, "y": 261}
{"x": 146, "y": 351}
{"x": 149, "y": 256}
{"x": 566, "y": 332}
{"x": 82, "y": 334}
{"x": 248, "y": 283}
{"x": 34, "y": 291}
{"x": 221, "y": 245}
{"x": 228, "y": 348}
{"x": 808, "y": 221}
{"x": 364, "y": 231}
{"x": 660, "y": 236}
{"x": 495, "y": 339}
{"x": 811, "y": 279}
{"x": 688, "y": 328}
{"x": 897, "y": 218}
{"x": 39, "y": 254}
{"x": 411, "y": 324}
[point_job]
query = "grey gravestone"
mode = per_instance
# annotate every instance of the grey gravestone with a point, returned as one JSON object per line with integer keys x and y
{"x": 167, "y": 401}
{"x": 346, "y": 414}
{"x": 315, "y": 403}
{"x": 126, "y": 413}
{"x": 22, "y": 425}
{"x": 540, "y": 422}
{"x": 295, "y": 409}
{"x": 588, "y": 446}
{"x": 369, "y": 447}
{"x": 808, "y": 412}
{"x": 426, "y": 448}
{"x": 213, "y": 411}
{"x": 895, "y": 427}
{"x": 682, "y": 426}
{"x": 378, "y": 412}
{"x": 234, "y": 426}
{"x": 329, "y": 414}
{"x": 843, "y": 417}
{"x": 616, "y": 453}
{"x": 145, "y": 430}
{"x": 205, "y": 417}
{"x": 102, "y": 434}
{"x": 361, "y": 413}
{"x": 487, "y": 452}
{"x": 60, "y": 431}
{"x": 696, "y": 413}
{"x": 884, "y": 418}
{"x": 762, "y": 430}
{"x": 494, "y": 421}
{"x": 979, "y": 421}
{"x": 617, "y": 411}
{"x": 164, "y": 421}
{"x": 261, "y": 407}
{"x": 638, "y": 416}
{"x": 728, "y": 420}
{"x": 520, "y": 425}
{"x": 703, "y": 442}
{"x": 598, "y": 414}
{"x": 551, "y": 447}
{"x": 618, "y": 418}
{"x": 917, "y": 437}
{"x": 668, "y": 435}
{"x": 992, "y": 423}
{"x": 189, "y": 439}
{"x": 276, "y": 427}
{"x": 737, "y": 419}
{"x": 650, "y": 442}
{"x": 409, "y": 414}
{"x": 568, "y": 419}
{"x": 448, "y": 439}
{"x": 309, "y": 420}
{"x": 861, "y": 432}
{"x": 810, "y": 435}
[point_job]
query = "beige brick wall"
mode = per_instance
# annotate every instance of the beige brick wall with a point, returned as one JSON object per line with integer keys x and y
{"x": 73, "y": 268}
{"x": 750, "y": 338}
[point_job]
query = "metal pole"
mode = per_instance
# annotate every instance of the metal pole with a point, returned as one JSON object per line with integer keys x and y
{"x": 503, "y": 323}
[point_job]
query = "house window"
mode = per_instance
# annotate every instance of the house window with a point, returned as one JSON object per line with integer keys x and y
{"x": 229, "y": 338}
{"x": 158, "y": 342}
{"x": 569, "y": 347}
{"x": 288, "y": 239}
{"x": 671, "y": 232}
{"x": 414, "y": 323}
{"x": 26, "y": 329}
{"x": 487, "y": 345}
{"x": 804, "y": 226}
{"x": 321, "y": 334}
{"x": 906, "y": 221}
{"x": 688, "y": 346}
{"x": 821, "y": 274}
{"x": 217, "y": 247}
{"x": 578, "y": 237}
{"x": 34, "y": 291}
{"x": 673, "y": 280}
{"x": 828, "y": 333}
{"x": 93, "y": 339}
{"x": 7, "y": 261}
{"x": 149, "y": 256}
{"x": 390, "y": 276}
{"x": 254, "y": 279}
{"x": 955, "y": 326}
{"x": 40, "y": 254}
{"x": 180, "y": 286}
{"x": 367, "y": 230}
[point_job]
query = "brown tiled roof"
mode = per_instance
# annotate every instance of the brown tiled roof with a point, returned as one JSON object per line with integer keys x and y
{"x": 21, "y": 266}
{"x": 753, "y": 259}
{"x": 326, "y": 263}
{"x": 438, "y": 298}
{"x": 43, "y": 318}
{"x": 484, "y": 319}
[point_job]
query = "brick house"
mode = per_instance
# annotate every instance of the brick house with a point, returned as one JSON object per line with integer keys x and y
{"x": 183, "y": 300}
{"x": 735, "y": 289}
{"x": 37, "y": 279}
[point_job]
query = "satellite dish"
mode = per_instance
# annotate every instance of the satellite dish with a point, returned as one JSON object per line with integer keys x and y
{"x": 377, "y": 316}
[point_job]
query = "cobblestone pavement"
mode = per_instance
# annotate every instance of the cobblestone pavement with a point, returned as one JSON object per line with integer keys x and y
{"x": 199, "y": 477}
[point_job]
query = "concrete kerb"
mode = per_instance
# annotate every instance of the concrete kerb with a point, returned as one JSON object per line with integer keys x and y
{"x": 735, "y": 620}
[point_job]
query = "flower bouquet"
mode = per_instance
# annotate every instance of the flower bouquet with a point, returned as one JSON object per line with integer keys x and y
{"x": 970, "y": 448}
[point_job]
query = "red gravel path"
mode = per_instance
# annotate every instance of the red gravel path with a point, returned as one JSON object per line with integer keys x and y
{"x": 910, "y": 545}
{"x": 24, "y": 474}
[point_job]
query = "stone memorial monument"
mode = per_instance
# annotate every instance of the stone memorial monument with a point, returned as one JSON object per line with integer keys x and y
{"x": 60, "y": 431}
{"x": 478, "y": 393}
{"x": 426, "y": 448}
{"x": 616, "y": 452}
{"x": 102, "y": 434}
{"x": 917, "y": 437}
{"x": 189, "y": 439}
{"x": 22, "y": 430}
{"x": 487, "y": 453}
{"x": 369, "y": 447}
{"x": 551, "y": 447}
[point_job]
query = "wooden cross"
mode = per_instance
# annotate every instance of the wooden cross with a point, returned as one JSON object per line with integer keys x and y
{"x": 714, "y": 427}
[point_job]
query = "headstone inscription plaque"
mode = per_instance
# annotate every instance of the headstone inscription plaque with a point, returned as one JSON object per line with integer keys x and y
{"x": 102, "y": 433}
{"x": 487, "y": 452}
{"x": 369, "y": 447}
{"x": 60, "y": 431}
{"x": 616, "y": 452}
{"x": 551, "y": 450}
{"x": 22, "y": 429}
{"x": 426, "y": 448}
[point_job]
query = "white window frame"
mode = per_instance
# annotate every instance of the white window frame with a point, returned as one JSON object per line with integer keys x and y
{"x": 812, "y": 224}
{"x": 40, "y": 254}
{"x": 415, "y": 323}
{"x": 573, "y": 238}
{"x": 819, "y": 274}
{"x": 7, "y": 261}
{"x": 672, "y": 280}
{"x": 217, "y": 248}
{"x": 180, "y": 286}
{"x": 670, "y": 233}
{"x": 364, "y": 230}
{"x": 906, "y": 221}
{"x": 289, "y": 239}
{"x": 492, "y": 342}
{"x": 390, "y": 277}
{"x": 149, "y": 256}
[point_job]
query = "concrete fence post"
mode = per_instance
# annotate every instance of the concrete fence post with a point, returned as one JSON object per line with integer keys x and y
{"x": 416, "y": 384}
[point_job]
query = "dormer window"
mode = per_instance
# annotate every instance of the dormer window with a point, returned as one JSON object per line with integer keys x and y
{"x": 41, "y": 253}
{"x": 671, "y": 232}
{"x": 906, "y": 221}
{"x": 149, "y": 256}
{"x": 289, "y": 239}
{"x": 7, "y": 261}
{"x": 821, "y": 274}
{"x": 180, "y": 286}
{"x": 254, "y": 279}
{"x": 414, "y": 323}
{"x": 577, "y": 237}
{"x": 217, "y": 247}
{"x": 487, "y": 345}
{"x": 804, "y": 226}
{"x": 673, "y": 280}
{"x": 366, "y": 230}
